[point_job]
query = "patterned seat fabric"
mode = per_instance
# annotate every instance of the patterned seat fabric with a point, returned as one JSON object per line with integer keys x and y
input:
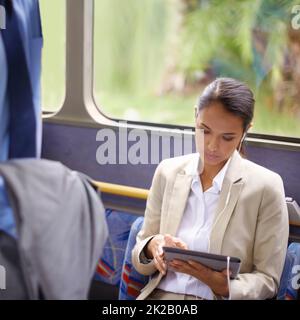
{"x": 290, "y": 278}
{"x": 131, "y": 281}
{"x": 114, "y": 266}
{"x": 110, "y": 264}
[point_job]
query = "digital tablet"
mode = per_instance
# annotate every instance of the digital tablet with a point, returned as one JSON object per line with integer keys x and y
{"x": 214, "y": 261}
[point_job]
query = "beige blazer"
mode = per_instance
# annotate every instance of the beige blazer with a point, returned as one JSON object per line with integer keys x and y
{"x": 253, "y": 226}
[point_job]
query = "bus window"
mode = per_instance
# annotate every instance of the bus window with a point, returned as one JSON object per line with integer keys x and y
{"x": 152, "y": 58}
{"x": 53, "y": 16}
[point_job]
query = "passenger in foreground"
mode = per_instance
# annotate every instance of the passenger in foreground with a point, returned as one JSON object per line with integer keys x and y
{"x": 52, "y": 223}
{"x": 218, "y": 202}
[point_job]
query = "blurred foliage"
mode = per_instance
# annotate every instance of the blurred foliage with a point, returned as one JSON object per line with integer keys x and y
{"x": 130, "y": 44}
{"x": 242, "y": 39}
{"x": 251, "y": 40}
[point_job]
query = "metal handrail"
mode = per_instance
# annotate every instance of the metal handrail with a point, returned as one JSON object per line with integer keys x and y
{"x": 121, "y": 190}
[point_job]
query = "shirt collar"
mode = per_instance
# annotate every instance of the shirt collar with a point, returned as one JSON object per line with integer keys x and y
{"x": 192, "y": 167}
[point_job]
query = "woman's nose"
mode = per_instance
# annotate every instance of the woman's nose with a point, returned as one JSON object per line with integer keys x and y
{"x": 212, "y": 145}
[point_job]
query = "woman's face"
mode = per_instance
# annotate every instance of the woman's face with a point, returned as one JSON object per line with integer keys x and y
{"x": 223, "y": 132}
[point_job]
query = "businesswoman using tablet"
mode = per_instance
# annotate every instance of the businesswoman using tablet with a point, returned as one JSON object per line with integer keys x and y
{"x": 230, "y": 206}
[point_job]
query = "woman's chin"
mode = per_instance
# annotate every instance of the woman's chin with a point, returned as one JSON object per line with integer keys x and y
{"x": 215, "y": 162}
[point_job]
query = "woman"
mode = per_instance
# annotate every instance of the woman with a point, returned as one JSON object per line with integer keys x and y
{"x": 232, "y": 207}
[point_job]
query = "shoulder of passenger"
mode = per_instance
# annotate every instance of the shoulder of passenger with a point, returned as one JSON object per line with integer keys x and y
{"x": 260, "y": 174}
{"x": 176, "y": 164}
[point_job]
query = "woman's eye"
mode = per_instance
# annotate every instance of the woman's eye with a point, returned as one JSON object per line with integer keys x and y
{"x": 228, "y": 138}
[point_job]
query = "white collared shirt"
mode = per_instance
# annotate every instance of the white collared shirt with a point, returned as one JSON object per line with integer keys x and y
{"x": 195, "y": 229}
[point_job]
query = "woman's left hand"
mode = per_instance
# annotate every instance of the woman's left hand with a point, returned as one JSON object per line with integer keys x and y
{"x": 217, "y": 281}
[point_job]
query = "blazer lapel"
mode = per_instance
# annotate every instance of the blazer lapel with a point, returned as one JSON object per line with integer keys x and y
{"x": 230, "y": 192}
{"x": 179, "y": 196}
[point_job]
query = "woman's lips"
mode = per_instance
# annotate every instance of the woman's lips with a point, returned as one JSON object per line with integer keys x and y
{"x": 211, "y": 157}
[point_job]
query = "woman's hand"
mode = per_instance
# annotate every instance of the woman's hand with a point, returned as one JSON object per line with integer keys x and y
{"x": 154, "y": 249}
{"x": 217, "y": 281}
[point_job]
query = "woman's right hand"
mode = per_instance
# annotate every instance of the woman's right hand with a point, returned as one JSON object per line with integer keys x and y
{"x": 154, "y": 249}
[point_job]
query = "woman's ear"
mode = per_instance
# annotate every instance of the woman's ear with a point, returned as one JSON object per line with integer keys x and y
{"x": 243, "y": 138}
{"x": 246, "y": 131}
{"x": 249, "y": 127}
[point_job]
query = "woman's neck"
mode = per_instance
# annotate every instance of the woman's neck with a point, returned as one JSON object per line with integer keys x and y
{"x": 209, "y": 172}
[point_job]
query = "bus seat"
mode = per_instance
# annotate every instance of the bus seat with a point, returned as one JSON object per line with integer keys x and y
{"x": 293, "y": 210}
{"x": 131, "y": 281}
{"x": 288, "y": 283}
{"x": 109, "y": 267}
